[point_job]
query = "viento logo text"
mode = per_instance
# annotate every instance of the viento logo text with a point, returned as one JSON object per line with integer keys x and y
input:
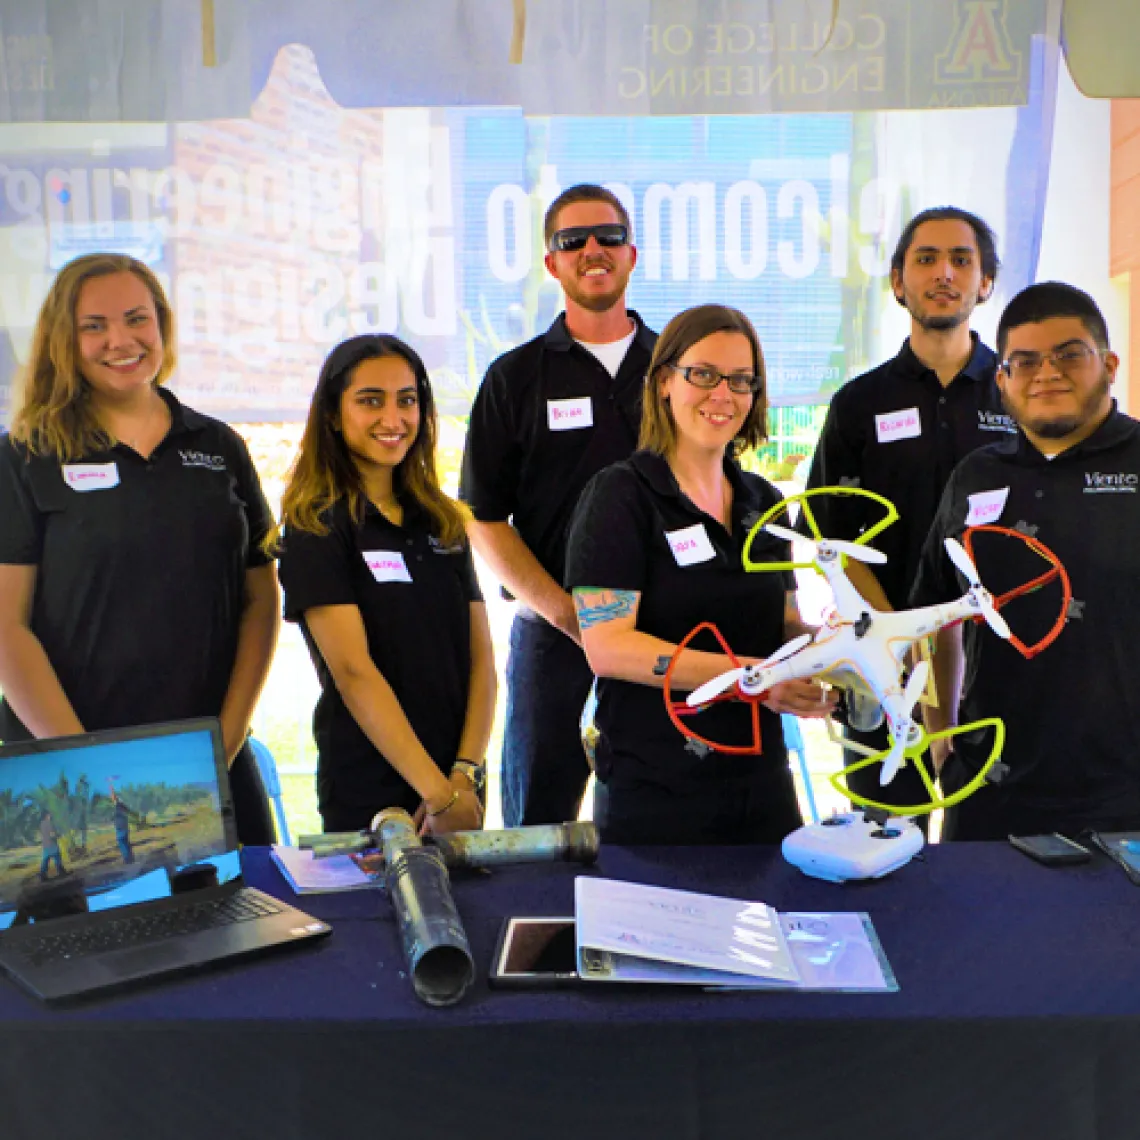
{"x": 1097, "y": 483}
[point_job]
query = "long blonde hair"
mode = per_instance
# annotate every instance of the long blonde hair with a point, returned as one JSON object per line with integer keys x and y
{"x": 53, "y": 415}
{"x": 324, "y": 471}
{"x": 658, "y": 429}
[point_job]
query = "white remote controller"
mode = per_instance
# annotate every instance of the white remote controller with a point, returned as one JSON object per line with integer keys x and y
{"x": 849, "y": 846}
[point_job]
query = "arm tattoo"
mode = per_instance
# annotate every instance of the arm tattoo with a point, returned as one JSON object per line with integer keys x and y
{"x": 662, "y": 665}
{"x": 597, "y": 606}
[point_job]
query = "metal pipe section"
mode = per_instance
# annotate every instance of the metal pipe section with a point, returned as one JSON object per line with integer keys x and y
{"x": 546, "y": 843}
{"x": 431, "y": 933}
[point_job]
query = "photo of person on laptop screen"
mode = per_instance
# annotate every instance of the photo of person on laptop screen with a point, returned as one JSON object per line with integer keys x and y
{"x": 133, "y": 584}
{"x": 95, "y": 826}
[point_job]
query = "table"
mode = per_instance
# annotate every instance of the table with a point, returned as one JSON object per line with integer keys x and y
{"x": 1018, "y": 1016}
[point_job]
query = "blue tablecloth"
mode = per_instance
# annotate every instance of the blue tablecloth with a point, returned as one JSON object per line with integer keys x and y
{"x": 1018, "y": 1015}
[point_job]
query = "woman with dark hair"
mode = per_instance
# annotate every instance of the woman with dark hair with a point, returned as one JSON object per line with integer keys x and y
{"x": 133, "y": 584}
{"x": 377, "y": 571}
{"x": 655, "y": 549}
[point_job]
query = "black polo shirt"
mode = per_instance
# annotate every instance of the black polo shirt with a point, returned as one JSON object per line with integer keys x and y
{"x": 414, "y": 597}
{"x": 1072, "y": 714}
{"x": 622, "y": 538}
{"x": 140, "y": 568}
{"x": 897, "y": 431}
{"x": 547, "y": 417}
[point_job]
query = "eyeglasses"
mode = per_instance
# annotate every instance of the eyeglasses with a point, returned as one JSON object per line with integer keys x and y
{"x": 706, "y": 378}
{"x": 574, "y": 238}
{"x": 1071, "y": 358}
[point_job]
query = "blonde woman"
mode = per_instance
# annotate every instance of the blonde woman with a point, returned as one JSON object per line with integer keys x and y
{"x": 133, "y": 584}
{"x": 377, "y": 571}
{"x": 655, "y": 549}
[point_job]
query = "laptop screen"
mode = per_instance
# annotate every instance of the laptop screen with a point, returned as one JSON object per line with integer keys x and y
{"x": 110, "y": 819}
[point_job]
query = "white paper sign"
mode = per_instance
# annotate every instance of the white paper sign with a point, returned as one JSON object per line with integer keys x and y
{"x": 387, "y": 565}
{"x": 91, "y": 476}
{"x": 903, "y": 424}
{"x": 986, "y": 506}
{"x": 566, "y": 415}
{"x": 690, "y": 545}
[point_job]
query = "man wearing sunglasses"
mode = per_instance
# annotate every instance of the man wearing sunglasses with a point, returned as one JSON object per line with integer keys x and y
{"x": 1071, "y": 479}
{"x": 901, "y": 429}
{"x": 548, "y": 416}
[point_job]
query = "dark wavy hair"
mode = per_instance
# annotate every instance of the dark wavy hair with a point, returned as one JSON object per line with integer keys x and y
{"x": 324, "y": 471}
{"x": 983, "y": 235}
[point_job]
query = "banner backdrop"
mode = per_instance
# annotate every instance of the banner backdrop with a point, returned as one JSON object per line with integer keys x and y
{"x": 167, "y": 60}
{"x": 301, "y": 221}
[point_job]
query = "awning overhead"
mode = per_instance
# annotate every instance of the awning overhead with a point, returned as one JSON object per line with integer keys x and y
{"x": 193, "y": 60}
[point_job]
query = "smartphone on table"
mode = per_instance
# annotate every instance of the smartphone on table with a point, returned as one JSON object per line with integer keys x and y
{"x": 1054, "y": 850}
{"x": 535, "y": 953}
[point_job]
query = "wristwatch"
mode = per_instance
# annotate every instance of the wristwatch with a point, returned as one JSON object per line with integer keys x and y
{"x": 476, "y": 773}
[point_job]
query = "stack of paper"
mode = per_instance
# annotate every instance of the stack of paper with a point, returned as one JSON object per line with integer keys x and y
{"x": 309, "y": 876}
{"x": 630, "y": 932}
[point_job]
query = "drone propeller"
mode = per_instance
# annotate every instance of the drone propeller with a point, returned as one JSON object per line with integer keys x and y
{"x": 911, "y": 693}
{"x": 851, "y": 549}
{"x": 969, "y": 571}
{"x": 722, "y": 683}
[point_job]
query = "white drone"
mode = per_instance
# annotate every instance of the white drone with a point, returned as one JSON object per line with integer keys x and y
{"x": 861, "y": 649}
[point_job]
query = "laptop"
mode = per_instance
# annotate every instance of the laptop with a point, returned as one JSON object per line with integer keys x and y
{"x": 119, "y": 862}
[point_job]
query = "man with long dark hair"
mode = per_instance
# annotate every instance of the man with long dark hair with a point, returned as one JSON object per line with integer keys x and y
{"x": 901, "y": 429}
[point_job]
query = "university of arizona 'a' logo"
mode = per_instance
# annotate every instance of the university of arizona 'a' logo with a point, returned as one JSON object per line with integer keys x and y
{"x": 980, "y": 50}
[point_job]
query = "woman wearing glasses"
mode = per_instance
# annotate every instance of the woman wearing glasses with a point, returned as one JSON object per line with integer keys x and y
{"x": 655, "y": 549}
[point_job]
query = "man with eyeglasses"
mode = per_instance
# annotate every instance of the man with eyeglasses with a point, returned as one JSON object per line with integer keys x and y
{"x": 1070, "y": 479}
{"x": 901, "y": 429}
{"x": 548, "y": 416}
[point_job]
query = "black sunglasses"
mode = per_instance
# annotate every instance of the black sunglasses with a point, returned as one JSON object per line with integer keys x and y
{"x": 574, "y": 238}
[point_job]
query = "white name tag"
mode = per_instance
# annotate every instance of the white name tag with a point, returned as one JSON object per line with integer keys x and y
{"x": 566, "y": 415}
{"x": 903, "y": 424}
{"x": 91, "y": 476}
{"x": 387, "y": 565}
{"x": 986, "y": 506}
{"x": 690, "y": 545}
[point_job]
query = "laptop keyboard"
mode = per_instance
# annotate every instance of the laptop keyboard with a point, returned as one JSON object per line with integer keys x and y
{"x": 140, "y": 929}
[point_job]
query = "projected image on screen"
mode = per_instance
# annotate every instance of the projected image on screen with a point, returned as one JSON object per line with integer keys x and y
{"x": 113, "y": 822}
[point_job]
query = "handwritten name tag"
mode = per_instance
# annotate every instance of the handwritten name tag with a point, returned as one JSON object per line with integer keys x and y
{"x": 690, "y": 545}
{"x": 91, "y": 476}
{"x": 903, "y": 424}
{"x": 566, "y": 415}
{"x": 387, "y": 565}
{"x": 986, "y": 506}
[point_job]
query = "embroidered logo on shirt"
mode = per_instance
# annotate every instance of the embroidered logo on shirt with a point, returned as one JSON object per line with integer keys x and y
{"x": 1076, "y": 610}
{"x": 566, "y": 415}
{"x": 1029, "y": 529}
{"x": 903, "y": 424}
{"x": 387, "y": 565}
{"x": 986, "y": 506}
{"x": 1097, "y": 483}
{"x": 690, "y": 545}
{"x": 201, "y": 459}
{"x": 995, "y": 421}
{"x": 91, "y": 476}
{"x": 438, "y": 548}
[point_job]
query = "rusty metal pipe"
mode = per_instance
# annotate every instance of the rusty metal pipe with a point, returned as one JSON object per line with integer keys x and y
{"x": 431, "y": 933}
{"x": 545, "y": 843}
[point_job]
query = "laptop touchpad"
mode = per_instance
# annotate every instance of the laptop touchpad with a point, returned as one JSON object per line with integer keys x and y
{"x": 147, "y": 959}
